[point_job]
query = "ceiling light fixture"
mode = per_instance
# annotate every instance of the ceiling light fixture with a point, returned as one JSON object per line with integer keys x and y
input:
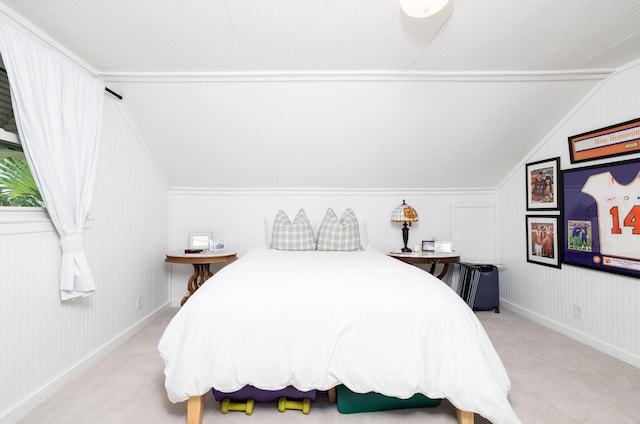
{"x": 422, "y": 8}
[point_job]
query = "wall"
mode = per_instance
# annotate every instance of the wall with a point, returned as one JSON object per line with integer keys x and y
{"x": 240, "y": 217}
{"x": 45, "y": 342}
{"x": 610, "y": 303}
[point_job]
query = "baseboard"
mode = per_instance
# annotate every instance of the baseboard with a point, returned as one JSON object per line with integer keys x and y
{"x": 19, "y": 411}
{"x": 576, "y": 335}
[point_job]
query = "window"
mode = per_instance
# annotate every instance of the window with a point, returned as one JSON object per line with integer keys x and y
{"x": 17, "y": 186}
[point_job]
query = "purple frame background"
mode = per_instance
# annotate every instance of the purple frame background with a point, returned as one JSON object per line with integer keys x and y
{"x": 578, "y": 206}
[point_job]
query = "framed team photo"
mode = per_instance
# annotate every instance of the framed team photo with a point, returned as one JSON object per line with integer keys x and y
{"x": 542, "y": 240}
{"x": 543, "y": 182}
{"x": 601, "y": 213}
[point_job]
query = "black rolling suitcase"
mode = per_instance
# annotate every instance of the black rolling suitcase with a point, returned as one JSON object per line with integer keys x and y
{"x": 479, "y": 286}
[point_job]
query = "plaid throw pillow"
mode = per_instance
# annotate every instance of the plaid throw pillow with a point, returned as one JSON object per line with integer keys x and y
{"x": 296, "y": 235}
{"x": 339, "y": 234}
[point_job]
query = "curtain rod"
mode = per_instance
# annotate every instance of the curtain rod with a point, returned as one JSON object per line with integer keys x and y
{"x": 107, "y": 89}
{"x": 113, "y": 93}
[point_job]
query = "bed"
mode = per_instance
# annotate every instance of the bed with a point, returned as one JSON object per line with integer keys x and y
{"x": 317, "y": 319}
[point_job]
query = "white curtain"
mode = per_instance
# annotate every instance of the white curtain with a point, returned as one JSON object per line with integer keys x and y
{"x": 58, "y": 108}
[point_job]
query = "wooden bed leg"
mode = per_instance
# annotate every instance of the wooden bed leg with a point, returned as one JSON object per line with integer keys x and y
{"x": 195, "y": 409}
{"x": 331, "y": 393}
{"x": 464, "y": 417}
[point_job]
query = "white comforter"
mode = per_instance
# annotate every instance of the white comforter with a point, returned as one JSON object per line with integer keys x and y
{"x": 317, "y": 319}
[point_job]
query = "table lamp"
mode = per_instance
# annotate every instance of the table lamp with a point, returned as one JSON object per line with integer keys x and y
{"x": 405, "y": 214}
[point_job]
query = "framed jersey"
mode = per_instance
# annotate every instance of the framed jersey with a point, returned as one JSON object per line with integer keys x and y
{"x": 601, "y": 212}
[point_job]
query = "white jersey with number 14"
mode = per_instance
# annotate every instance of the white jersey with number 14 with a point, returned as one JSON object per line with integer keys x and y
{"x": 618, "y": 214}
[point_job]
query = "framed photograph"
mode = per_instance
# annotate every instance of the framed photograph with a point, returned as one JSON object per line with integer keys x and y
{"x": 200, "y": 240}
{"x": 444, "y": 246}
{"x": 218, "y": 244}
{"x": 542, "y": 240}
{"x": 428, "y": 245}
{"x": 542, "y": 182}
{"x": 615, "y": 140}
{"x": 601, "y": 210}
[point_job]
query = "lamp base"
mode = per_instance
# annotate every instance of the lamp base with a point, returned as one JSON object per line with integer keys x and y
{"x": 405, "y": 238}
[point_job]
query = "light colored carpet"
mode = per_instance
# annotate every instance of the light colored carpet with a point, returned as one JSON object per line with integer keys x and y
{"x": 555, "y": 380}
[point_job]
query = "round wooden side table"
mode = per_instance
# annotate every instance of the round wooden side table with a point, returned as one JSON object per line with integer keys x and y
{"x": 431, "y": 258}
{"x": 200, "y": 262}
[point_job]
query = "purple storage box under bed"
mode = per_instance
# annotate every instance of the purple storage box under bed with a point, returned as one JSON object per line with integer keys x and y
{"x": 259, "y": 395}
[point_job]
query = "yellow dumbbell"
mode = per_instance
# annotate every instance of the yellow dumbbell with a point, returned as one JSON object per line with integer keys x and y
{"x": 303, "y": 405}
{"x": 227, "y": 406}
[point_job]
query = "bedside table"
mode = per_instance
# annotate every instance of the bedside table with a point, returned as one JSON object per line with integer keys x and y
{"x": 428, "y": 258}
{"x": 200, "y": 262}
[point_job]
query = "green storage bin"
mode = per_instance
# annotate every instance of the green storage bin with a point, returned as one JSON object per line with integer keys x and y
{"x": 350, "y": 402}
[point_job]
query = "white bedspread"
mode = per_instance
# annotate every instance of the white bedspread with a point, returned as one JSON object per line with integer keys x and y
{"x": 317, "y": 319}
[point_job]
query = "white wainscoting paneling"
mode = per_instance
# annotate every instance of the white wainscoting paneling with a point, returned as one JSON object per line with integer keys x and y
{"x": 471, "y": 234}
{"x": 610, "y": 303}
{"x": 239, "y": 216}
{"x": 44, "y": 341}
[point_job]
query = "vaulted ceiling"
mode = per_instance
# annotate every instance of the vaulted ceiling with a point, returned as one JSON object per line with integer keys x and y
{"x": 341, "y": 93}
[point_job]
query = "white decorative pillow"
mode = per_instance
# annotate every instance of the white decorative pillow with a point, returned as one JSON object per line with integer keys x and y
{"x": 296, "y": 235}
{"x": 339, "y": 234}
